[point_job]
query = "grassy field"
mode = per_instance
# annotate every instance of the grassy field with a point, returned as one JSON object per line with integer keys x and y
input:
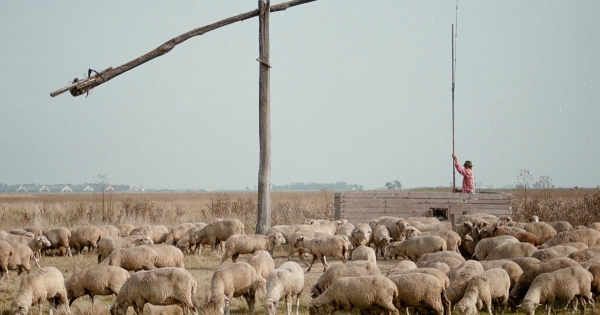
{"x": 578, "y": 206}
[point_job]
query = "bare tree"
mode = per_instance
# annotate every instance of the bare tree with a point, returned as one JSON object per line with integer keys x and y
{"x": 103, "y": 182}
{"x": 523, "y": 180}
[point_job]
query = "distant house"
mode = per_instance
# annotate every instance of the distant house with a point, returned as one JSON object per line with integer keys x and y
{"x": 62, "y": 188}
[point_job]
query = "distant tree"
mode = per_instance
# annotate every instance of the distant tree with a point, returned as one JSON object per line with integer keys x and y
{"x": 389, "y": 186}
{"x": 397, "y": 185}
{"x": 103, "y": 182}
{"x": 523, "y": 180}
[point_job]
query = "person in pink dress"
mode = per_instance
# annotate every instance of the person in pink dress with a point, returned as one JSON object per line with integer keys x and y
{"x": 468, "y": 185}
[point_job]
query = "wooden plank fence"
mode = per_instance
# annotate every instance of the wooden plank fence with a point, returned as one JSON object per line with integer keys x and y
{"x": 361, "y": 206}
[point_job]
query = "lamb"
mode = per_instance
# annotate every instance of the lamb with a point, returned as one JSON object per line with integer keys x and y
{"x": 262, "y": 261}
{"x": 249, "y": 243}
{"x": 165, "y": 286}
{"x": 348, "y": 293}
{"x": 363, "y": 252}
{"x": 97, "y": 280}
{"x": 381, "y": 240}
{"x": 553, "y": 252}
{"x": 362, "y": 235}
{"x": 563, "y": 284}
{"x": 484, "y": 246}
{"x": 513, "y": 270}
{"x": 237, "y": 279}
{"x": 46, "y": 283}
{"x": 533, "y": 270}
{"x": 20, "y": 258}
{"x": 108, "y": 244}
{"x": 459, "y": 279}
{"x": 335, "y": 246}
{"x": 167, "y": 256}
{"x": 59, "y": 237}
{"x": 6, "y": 252}
{"x": 417, "y": 246}
{"x": 85, "y": 236}
{"x": 132, "y": 259}
{"x": 511, "y": 250}
{"x": 589, "y": 237}
{"x": 294, "y": 236}
{"x": 420, "y": 289}
{"x": 350, "y": 269}
{"x": 542, "y": 230}
{"x": 177, "y": 232}
{"x": 490, "y": 286}
{"x": 286, "y": 282}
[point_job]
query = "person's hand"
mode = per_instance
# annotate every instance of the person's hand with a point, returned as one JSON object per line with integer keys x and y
{"x": 454, "y": 156}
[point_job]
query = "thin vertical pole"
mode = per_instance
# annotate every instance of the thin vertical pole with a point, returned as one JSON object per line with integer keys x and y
{"x": 263, "y": 221}
{"x": 453, "y": 147}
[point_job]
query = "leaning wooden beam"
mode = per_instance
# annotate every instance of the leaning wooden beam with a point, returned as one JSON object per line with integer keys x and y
{"x": 82, "y": 86}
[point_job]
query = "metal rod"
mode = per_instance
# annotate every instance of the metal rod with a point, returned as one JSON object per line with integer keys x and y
{"x": 453, "y": 168}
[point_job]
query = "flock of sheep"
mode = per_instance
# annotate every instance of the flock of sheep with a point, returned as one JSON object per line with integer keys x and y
{"x": 478, "y": 260}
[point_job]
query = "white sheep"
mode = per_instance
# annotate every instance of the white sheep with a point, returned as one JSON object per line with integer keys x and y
{"x": 6, "y": 252}
{"x": 97, "y": 280}
{"x": 158, "y": 233}
{"x": 440, "y": 275}
{"x": 401, "y": 267}
{"x": 415, "y": 247}
{"x": 237, "y": 279}
{"x": 108, "y": 244}
{"x": 484, "y": 246}
{"x": 491, "y": 286}
{"x": 125, "y": 229}
{"x": 322, "y": 226}
{"x": 350, "y": 269}
{"x": 363, "y": 252}
{"x": 294, "y": 236}
{"x": 177, "y": 232}
{"x": 542, "y": 230}
{"x": 333, "y": 246}
{"x": 59, "y": 237}
{"x": 262, "y": 261}
{"x": 167, "y": 256}
{"x": 284, "y": 282}
{"x": 394, "y": 225}
{"x": 110, "y": 230}
{"x": 46, "y": 283}
{"x": 249, "y": 243}
{"x": 164, "y": 286}
{"x": 563, "y": 284}
{"x": 441, "y": 254}
{"x": 421, "y": 289}
{"x": 381, "y": 240}
{"x": 345, "y": 294}
{"x": 459, "y": 279}
{"x": 20, "y": 258}
{"x": 362, "y": 235}
{"x": 85, "y": 236}
{"x": 345, "y": 229}
{"x": 553, "y": 252}
{"x": 513, "y": 270}
{"x": 216, "y": 232}
{"x": 453, "y": 240}
{"x": 511, "y": 250}
{"x": 132, "y": 259}
{"x": 589, "y": 237}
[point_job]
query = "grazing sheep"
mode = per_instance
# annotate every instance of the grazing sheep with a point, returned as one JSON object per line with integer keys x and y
{"x": 262, "y": 261}
{"x": 440, "y": 275}
{"x": 442, "y": 254}
{"x": 394, "y": 225}
{"x": 97, "y": 280}
{"x": 158, "y": 233}
{"x": 344, "y": 229}
{"x": 401, "y": 267}
{"x": 237, "y": 279}
{"x": 46, "y": 283}
{"x": 561, "y": 226}
{"x": 6, "y": 252}
{"x": 381, "y": 240}
{"x": 249, "y": 243}
{"x": 564, "y": 284}
{"x": 35, "y": 230}
{"x": 485, "y": 245}
{"x": 164, "y": 286}
{"x": 36, "y": 244}
{"x": 350, "y": 269}
{"x": 323, "y": 226}
{"x": 505, "y": 220}
{"x": 490, "y": 286}
{"x": 453, "y": 240}
{"x": 589, "y": 237}
{"x": 20, "y": 258}
{"x": 59, "y": 237}
{"x": 421, "y": 289}
{"x": 177, "y": 232}
{"x": 432, "y": 227}
{"x": 333, "y": 246}
{"x": 459, "y": 279}
{"x": 348, "y": 293}
{"x": 417, "y": 246}
{"x": 533, "y": 270}
{"x": 513, "y": 270}
{"x": 294, "y": 236}
{"x": 442, "y": 263}
{"x": 542, "y": 230}
{"x": 363, "y": 252}
{"x": 184, "y": 245}
{"x": 362, "y": 235}
{"x": 20, "y": 232}
{"x": 553, "y": 252}
{"x": 110, "y": 230}
{"x": 125, "y": 229}
{"x": 511, "y": 250}
{"x": 108, "y": 244}
{"x": 285, "y": 282}
{"x": 168, "y": 256}
{"x": 285, "y": 230}
{"x": 85, "y": 236}
{"x": 585, "y": 255}
{"x": 525, "y": 237}
{"x": 216, "y": 232}
{"x": 132, "y": 259}
{"x": 422, "y": 220}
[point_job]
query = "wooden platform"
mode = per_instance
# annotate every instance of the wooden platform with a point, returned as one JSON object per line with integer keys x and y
{"x": 361, "y": 206}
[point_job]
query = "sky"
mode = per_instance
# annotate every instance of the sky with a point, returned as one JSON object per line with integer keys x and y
{"x": 360, "y": 93}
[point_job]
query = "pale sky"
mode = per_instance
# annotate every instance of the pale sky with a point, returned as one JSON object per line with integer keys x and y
{"x": 360, "y": 93}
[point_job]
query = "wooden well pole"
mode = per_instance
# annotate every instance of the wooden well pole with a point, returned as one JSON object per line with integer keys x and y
{"x": 263, "y": 222}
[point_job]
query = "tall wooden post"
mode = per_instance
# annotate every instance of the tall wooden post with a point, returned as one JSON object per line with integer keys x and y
{"x": 263, "y": 222}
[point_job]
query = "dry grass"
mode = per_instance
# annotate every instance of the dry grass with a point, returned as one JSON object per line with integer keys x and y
{"x": 580, "y": 207}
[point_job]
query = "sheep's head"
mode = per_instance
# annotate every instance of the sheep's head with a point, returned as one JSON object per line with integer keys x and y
{"x": 299, "y": 242}
{"x": 43, "y": 241}
{"x": 320, "y": 309}
{"x": 465, "y": 308}
{"x": 410, "y": 232}
{"x": 276, "y": 239}
{"x": 315, "y": 290}
{"x": 528, "y": 307}
{"x": 271, "y": 307}
{"x": 534, "y": 218}
{"x": 19, "y": 309}
{"x": 216, "y": 303}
